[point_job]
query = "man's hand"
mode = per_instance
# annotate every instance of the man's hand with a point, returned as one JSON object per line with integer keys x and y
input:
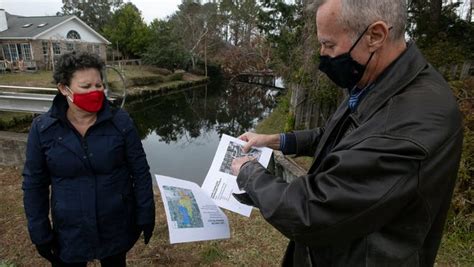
{"x": 244, "y": 198}
{"x": 238, "y": 162}
{"x": 258, "y": 140}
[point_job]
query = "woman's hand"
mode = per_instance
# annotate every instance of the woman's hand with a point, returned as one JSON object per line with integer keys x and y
{"x": 48, "y": 251}
{"x": 147, "y": 230}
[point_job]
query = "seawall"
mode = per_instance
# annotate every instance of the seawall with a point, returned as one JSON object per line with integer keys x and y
{"x": 13, "y": 147}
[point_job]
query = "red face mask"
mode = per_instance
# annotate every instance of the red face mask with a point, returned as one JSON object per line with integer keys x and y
{"x": 90, "y": 102}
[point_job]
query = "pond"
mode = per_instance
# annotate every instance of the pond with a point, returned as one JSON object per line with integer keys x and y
{"x": 180, "y": 131}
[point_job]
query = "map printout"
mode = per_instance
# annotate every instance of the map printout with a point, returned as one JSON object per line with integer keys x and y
{"x": 220, "y": 183}
{"x": 191, "y": 214}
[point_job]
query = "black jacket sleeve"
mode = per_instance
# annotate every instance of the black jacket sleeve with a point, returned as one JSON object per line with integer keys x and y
{"x": 36, "y": 182}
{"x": 138, "y": 165}
{"x": 307, "y": 141}
{"x": 354, "y": 192}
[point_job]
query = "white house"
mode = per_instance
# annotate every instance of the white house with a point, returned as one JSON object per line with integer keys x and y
{"x": 37, "y": 41}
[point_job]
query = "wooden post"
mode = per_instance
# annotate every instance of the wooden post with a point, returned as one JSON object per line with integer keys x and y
{"x": 51, "y": 54}
{"x": 205, "y": 54}
{"x": 466, "y": 66}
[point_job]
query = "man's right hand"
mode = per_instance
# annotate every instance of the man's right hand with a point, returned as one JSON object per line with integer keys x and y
{"x": 48, "y": 251}
{"x": 259, "y": 140}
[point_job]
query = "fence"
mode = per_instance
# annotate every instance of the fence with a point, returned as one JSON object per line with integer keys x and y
{"x": 285, "y": 167}
{"x": 458, "y": 71}
{"x": 309, "y": 113}
{"x": 125, "y": 62}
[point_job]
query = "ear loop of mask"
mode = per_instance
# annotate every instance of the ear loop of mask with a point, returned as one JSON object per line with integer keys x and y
{"x": 358, "y": 39}
{"x": 71, "y": 99}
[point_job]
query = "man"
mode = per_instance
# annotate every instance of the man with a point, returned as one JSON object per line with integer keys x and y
{"x": 385, "y": 164}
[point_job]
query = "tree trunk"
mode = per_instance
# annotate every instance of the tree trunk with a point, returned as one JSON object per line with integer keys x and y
{"x": 435, "y": 15}
{"x": 205, "y": 55}
{"x": 469, "y": 11}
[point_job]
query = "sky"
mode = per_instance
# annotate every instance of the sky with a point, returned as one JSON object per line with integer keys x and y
{"x": 150, "y": 9}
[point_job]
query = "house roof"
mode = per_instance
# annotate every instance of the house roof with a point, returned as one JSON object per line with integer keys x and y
{"x": 18, "y": 29}
{"x": 16, "y": 23}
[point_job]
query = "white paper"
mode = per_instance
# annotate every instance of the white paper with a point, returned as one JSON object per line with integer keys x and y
{"x": 191, "y": 214}
{"x": 220, "y": 183}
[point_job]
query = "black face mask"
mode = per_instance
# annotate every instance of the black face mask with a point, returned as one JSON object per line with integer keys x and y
{"x": 343, "y": 70}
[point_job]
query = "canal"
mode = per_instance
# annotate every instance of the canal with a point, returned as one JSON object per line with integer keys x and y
{"x": 180, "y": 131}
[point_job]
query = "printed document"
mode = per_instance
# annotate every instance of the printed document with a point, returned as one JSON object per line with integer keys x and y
{"x": 191, "y": 214}
{"x": 220, "y": 183}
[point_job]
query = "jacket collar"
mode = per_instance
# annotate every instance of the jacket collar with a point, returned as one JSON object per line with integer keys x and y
{"x": 394, "y": 79}
{"x": 59, "y": 108}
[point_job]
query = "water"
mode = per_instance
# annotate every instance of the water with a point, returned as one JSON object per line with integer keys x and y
{"x": 181, "y": 131}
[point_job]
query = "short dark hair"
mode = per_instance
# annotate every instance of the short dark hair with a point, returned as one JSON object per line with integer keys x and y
{"x": 71, "y": 62}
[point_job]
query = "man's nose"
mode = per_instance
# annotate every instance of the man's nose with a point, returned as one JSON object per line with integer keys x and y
{"x": 322, "y": 51}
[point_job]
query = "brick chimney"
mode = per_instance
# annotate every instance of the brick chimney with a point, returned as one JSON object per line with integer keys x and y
{"x": 3, "y": 20}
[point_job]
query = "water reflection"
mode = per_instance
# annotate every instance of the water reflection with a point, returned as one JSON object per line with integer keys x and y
{"x": 180, "y": 131}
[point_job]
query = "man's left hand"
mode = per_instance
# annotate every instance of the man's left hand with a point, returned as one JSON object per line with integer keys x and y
{"x": 237, "y": 164}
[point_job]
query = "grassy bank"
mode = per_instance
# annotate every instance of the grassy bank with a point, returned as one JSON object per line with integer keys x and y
{"x": 281, "y": 121}
{"x": 15, "y": 121}
{"x": 139, "y": 80}
{"x": 135, "y": 76}
{"x": 253, "y": 242}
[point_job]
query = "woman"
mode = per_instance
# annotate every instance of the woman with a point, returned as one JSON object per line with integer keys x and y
{"x": 91, "y": 156}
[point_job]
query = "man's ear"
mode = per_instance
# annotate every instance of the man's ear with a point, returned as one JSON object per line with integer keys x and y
{"x": 378, "y": 34}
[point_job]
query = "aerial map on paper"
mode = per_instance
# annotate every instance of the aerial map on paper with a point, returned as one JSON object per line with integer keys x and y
{"x": 233, "y": 151}
{"x": 183, "y": 208}
{"x": 220, "y": 184}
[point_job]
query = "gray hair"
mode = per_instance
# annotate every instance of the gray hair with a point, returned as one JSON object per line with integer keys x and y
{"x": 358, "y": 14}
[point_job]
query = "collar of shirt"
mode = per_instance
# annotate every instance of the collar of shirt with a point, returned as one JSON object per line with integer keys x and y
{"x": 356, "y": 94}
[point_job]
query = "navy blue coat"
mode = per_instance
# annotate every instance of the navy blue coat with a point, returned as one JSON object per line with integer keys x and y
{"x": 101, "y": 187}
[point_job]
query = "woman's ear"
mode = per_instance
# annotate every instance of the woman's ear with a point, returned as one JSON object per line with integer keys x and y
{"x": 62, "y": 89}
{"x": 378, "y": 34}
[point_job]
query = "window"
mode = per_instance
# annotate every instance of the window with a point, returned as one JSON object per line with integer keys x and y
{"x": 13, "y": 52}
{"x": 26, "y": 51}
{"x": 27, "y": 25}
{"x": 45, "y": 47}
{"x": 42, "y": 25}
{"x": 45, "y": 51}
{"x": 6, "y": 52}
{"x": 96, "y": 49}
{"x": 56, "y": 48}
{"x": 70, "y": 46}
{"x": 73, "y": 35}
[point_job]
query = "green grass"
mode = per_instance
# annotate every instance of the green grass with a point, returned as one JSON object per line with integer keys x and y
{"x": 44, "y": 78}
{"x": 6, "y": 264}
{"x": 160, "y": 79}
{"x": 15, "y": 121}
{"x": 212, "y": 253}
{"x": 457, "y": 245}
{"x": 41, "y": 78}
{"x": 277, "y": 121}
